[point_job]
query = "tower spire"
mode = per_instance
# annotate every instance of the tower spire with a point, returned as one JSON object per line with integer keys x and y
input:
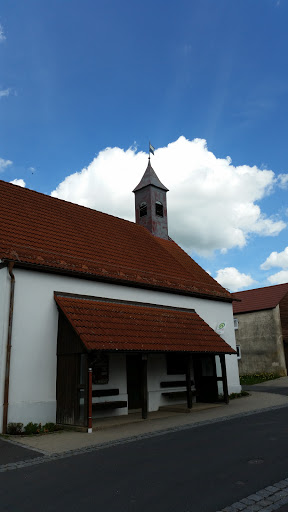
{"x": 151, "y": 203}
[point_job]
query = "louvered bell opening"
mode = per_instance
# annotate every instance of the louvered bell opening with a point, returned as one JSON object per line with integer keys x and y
{"x": 143, "y": 209}
{"x": 159, "y": 209}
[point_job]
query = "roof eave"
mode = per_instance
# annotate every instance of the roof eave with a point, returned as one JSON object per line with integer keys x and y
{"x": 123, "y": 282}
{"x": 253, "y": 310}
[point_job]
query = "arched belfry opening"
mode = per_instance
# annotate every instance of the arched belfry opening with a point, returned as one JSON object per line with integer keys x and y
{"x": 151, "y": 203}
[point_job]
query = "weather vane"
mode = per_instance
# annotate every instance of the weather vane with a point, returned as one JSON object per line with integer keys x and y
{"x": 151, "y": 150}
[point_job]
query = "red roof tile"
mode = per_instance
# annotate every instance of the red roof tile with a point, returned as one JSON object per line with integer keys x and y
{"x": 259, "y": 298}
{"x": 44, "y": 231}
{"x": 115, "y": 326}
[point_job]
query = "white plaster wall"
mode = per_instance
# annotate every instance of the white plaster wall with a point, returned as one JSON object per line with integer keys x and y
{"x": 117, "y": 379}
{"x": 33, "y": 358}
{"x": 4, "y": 312}
{"x": 157, "y": 372}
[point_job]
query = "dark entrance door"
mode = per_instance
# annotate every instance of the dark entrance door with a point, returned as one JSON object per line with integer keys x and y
{"x": 205, "y": 378}
{"x": 133, "y": 369}
{"x": 285, "y": 342}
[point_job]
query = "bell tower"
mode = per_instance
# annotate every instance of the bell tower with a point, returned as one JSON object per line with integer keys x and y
{"x": 151, "y": 204}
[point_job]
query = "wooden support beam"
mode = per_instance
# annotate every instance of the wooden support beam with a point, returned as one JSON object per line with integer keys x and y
{"x": 90, "y": 401}
{"x": 224, "y": 378}
{"x": 144, "y": 387}
{"x": 188, "y": 382}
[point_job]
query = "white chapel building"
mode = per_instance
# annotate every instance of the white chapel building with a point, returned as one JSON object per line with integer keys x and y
{"x": 81, "y": 289}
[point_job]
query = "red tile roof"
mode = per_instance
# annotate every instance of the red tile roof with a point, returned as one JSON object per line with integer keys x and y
{"x": 47, "y": 232}
{"x": 259, "y": 298}
{"x": 116, "y": 326}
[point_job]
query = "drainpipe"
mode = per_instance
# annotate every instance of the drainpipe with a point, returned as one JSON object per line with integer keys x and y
{"x": 8, "y": 349}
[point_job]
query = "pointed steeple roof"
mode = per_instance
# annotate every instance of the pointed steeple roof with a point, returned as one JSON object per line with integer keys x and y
{"x": 150, "y": 178}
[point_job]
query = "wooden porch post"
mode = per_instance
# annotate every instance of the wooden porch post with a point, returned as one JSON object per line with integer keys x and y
{"x": 90, "y": 401}
{"x": 188, "y": 382}
{"x": 144, "y": 387}
{"x": 224, "y": 378}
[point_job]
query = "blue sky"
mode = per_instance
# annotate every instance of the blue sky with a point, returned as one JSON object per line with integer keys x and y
{"x": 78, "y": 77}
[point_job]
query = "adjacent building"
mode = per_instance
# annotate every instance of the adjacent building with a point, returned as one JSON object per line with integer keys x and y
{"x": 261, "y": 327}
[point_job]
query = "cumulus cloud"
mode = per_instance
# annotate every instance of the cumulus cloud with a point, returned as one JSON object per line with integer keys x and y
{"x": 4, "y": 92}
{"x": 4, "y": 164}
{"x": 276, "y": 259}
{"x": 279, "y": 278}
{"x": 2, "y": 35}
{"x": 19, "y": 182}
{"x": 283, "y": 181}
{"x": 232, "y": 279}
{"x": 280, "y": 260}
{"x": 212, "y": 205}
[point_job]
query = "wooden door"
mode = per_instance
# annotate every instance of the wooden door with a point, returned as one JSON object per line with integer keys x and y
{"x": 133, "y": 370}
{"x": 205, "y": 378}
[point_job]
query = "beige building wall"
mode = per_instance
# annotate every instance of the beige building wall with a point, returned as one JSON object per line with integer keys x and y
{"x": 259, "y": 336}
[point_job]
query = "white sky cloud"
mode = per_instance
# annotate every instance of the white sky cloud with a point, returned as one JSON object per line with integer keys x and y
{"x": 4, "y": 164}
{"x": 276, "y": 259}
{"x": 2, "y": 35}
{"x": 279, "y": 278}
{"x": 211, "y": 203}
{"x": 19, "y": 182}
{"x": 232, "y": 279}
{"x": 4, "y": 92}
{"x": 283, "y": 181}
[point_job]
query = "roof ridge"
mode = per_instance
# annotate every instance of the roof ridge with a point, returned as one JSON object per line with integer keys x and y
{"x": 262, "y": 288}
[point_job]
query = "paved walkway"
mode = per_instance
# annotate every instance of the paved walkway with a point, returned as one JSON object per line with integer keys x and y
{"x": 278, "y": 386}
{"x": 120, "y": 428}
{"x": 27, "y": 451}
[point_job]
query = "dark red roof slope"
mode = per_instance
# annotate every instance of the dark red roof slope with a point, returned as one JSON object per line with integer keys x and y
{"x": 40, "y": 230}
{"x": 259, "y": 298}
{"x": 115, "y": 326}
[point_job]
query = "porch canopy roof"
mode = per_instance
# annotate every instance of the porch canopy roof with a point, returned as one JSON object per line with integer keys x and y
{"x": 122, "y": 326}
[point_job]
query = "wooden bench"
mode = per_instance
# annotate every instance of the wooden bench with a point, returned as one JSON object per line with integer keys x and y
{"x": 175, "y": 393}
{"x": 114, "y": 404}
{"x": 109, "y": 404}
{"x": 174, "y": 383}
{"x": 104, "y": 392}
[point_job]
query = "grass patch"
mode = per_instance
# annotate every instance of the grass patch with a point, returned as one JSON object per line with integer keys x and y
{"x": 233, "y": 395}
{"x": 17, "y": 429}
{"x": 256, "y": 378}
{"x": 238, "y": 395}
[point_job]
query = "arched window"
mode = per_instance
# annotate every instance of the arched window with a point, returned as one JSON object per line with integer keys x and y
{"x": 143, "y": 209}
{"x": 159, "y": 209}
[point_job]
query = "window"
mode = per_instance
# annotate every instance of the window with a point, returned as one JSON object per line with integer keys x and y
{"x": 235, "y": 323}
{"x": 143, "y": 209}
{"x": 100, "y": 368}
{"x": 176, "y": 364}
{"x": 159, "y": 209}
{"x": 238, "y": 350}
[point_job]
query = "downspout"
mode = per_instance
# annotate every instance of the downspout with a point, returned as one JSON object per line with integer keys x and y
{"x": 8, "y": 349}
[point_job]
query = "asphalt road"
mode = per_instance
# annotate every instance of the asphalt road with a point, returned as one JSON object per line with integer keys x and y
{"x": 10, "y": 452}
{"x": 202, "y": 469}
